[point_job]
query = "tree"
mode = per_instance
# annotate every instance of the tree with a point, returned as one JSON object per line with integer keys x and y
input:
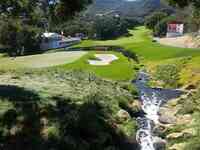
{"x": 19, "y": 39}
{"x": 195, "y": 17}
{"x": 66, "y": 9}
{"x": 180, "y": 3}
{"x": 184, "y": 3}
{"x": 161, "y": 28}
{"x": 152, "y": 20}
{"x": 17, "y": 8}
{"x": 109, "y": 27}
{"x": 79, "y": 24}
{"x": 22, "y": 19}
{"x": 63, "y": 8}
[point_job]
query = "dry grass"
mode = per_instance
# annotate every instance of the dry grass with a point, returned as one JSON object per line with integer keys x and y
{"x": 57, "y": 82}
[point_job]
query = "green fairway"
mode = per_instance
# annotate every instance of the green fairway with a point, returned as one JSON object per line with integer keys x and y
{"x": 141, "y": 43}
{"x": 153, "y": 54}
{"x": 121, "y": 69}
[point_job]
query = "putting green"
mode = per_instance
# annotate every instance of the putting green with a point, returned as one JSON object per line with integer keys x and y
{"x": 40, "y": 61}
{"x": 120, "y": 69}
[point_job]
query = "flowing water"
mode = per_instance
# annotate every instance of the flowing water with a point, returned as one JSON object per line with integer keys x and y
{"x": 151, "y": 99}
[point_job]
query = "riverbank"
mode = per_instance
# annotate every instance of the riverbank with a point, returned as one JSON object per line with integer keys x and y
{"x": 152, "y": 100}
{"x": 51, "y": 105}
{"x": 179, "y": 121}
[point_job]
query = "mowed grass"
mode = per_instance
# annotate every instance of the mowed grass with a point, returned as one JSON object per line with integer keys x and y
{"x": 40, "y": 61}
{"x": 142, "y": 43}
{"x": 121, "y": 69}
{"x": 153, "y": 54}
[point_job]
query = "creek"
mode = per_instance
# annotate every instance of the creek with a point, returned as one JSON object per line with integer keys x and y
{"x": 151, "y": 100}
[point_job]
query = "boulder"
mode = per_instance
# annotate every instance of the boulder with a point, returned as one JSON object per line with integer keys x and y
{"x": 168, "y": 110}
{"x": 184, "y": 96}
{"x": 159, "y": 129}
{"x": 135, "y": 105}
{"x": 179, "y": 146}
{"x": 167, "y": 116}
{"x": 185, "y": 133}
{"x": 175, "y": 135}
{"x": 184, "y": 119}
{"x": 159, "y": 143}
{"x": 123, "y": 115}
{"x": 190, "y": 87}
{"x": 15, "y": 129}
{"x": 164, "y": 119}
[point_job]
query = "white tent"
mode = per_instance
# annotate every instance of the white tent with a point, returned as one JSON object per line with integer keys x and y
{"x": 55, "y": 40}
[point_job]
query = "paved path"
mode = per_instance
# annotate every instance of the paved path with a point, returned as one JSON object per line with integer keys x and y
{"x": 185, "y": 41}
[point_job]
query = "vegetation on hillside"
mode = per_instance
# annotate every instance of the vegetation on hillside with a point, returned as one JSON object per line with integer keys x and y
{"x": 169, "y": 72}
{"x": 100, "y": 27}
{"x": 59, "y": 110}
{"x": 111, "y": 27}
{"x": 184, "y": 133}
{"x": 73, "y": 106}
{"x": 134, "y": 9}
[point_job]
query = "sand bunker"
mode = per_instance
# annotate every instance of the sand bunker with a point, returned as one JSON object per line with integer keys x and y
{"x": 103, "y": 59}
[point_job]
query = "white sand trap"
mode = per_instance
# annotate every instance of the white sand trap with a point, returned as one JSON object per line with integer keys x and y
{"x": 103, "y": 59}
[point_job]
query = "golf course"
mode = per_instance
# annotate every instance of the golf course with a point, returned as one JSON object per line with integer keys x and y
{"x": 152, "y": 54}
{"x": 99, "y": 74}
{"x": 140, "y": 42}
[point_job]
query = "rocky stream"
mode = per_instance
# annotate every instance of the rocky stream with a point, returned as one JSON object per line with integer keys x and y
{"x": 151, "y": 101}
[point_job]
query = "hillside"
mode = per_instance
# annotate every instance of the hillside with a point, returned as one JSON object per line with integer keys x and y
{"x": 62, "y": 110}
{"x": 126, "y": 8}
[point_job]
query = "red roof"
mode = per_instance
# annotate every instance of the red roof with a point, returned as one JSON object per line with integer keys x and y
{"x": 175, "y": 22}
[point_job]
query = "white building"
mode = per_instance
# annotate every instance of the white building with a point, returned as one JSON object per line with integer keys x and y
{"x": 54, "y": 40}
{"x": 175, "y": 29}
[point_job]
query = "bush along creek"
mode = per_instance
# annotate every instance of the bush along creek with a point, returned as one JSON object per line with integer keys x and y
{"x": 151, "y": 101}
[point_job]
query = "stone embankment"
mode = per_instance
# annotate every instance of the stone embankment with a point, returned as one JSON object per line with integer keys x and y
{"x": 175, "y": 125}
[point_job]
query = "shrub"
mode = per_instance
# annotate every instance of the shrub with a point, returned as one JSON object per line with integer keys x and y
{"x": 131, "y": 88}
{"x": 168, "y": 74}
{"x": 53, "y": 132}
